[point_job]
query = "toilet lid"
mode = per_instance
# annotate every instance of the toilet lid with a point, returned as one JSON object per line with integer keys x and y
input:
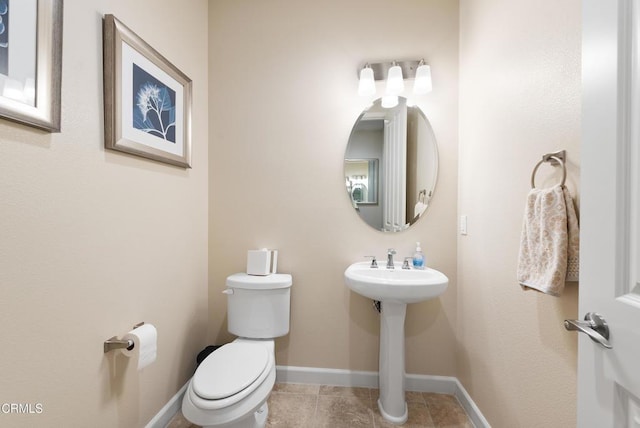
{"x": 229, "y": 370}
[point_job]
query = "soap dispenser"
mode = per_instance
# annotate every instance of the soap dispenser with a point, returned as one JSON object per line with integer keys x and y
{"x": 418, "y": 258}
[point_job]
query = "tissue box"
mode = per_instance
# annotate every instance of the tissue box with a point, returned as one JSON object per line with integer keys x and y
{"x": 261, "y": 262}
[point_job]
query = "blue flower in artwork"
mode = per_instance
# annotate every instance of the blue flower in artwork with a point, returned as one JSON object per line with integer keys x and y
{"x": 154, "y": 106}
{"x": 4, "y": 7}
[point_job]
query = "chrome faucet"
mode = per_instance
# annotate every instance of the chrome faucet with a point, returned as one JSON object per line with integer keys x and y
{"x": 405, "y": 265}
{"x": 374, "y": 263}
{"x": 390, "y": 253}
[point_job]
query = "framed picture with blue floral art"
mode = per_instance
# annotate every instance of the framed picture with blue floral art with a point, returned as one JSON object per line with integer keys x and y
{"x": 31, "y": 62}
{"x": 147, "y": 100}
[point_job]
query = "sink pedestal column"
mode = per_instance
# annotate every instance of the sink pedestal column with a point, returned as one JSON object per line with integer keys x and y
{"x": 391, "y": 403}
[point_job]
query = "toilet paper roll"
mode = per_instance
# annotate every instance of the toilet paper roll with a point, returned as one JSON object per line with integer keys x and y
{"x": 145, "y": 344}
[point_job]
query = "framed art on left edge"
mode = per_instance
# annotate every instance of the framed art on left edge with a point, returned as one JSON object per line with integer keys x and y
{"x": 147, "y": 100}
{"x": 31, "y": 62}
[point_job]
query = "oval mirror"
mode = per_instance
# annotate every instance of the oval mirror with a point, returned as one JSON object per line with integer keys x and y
{"x": 391, "y": 166}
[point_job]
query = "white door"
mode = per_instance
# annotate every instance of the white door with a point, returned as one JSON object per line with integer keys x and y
{"x": 609, "y": 379}
{"x": 395, "y": 169}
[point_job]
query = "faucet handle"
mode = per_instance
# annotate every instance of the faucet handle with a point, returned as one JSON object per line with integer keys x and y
{"x": 405, "y": 265}
{"x": 391, "y": 251}
{"x": 374, "y": 263}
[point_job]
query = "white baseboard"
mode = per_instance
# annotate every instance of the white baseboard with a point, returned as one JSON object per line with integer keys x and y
{"x": 338, "y": 377}
{"x": 315, "y": 376}
{"x": 470, "y": 407}
{"x": 414, "y": 382}
{"x": 164, "y": 416}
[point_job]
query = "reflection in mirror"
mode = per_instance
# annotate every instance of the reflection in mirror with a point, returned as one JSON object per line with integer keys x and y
{"x": 391, "y": 166}
{"x": 362, "y": 180}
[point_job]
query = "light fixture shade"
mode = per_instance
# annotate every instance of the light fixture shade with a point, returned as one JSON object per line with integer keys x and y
{"x": 389, "y": 101}
{"x": 366, "y": 85}
{"x": 422, "y": 84}
{"x": 395, "y": 83}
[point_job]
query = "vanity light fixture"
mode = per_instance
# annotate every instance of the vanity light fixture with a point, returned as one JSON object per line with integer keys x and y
{"x": 422, "y": 84}
{"x": 366, "y": 85}
{"x": 389, "y": 101}
{"x": 395, "y": 72}
{"x": 395, "y": 82}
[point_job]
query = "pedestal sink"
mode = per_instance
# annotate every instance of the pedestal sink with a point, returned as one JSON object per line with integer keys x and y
{"x": 394, "y": 288}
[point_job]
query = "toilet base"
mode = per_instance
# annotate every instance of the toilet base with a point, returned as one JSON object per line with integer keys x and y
{"x": 257, "y": 420}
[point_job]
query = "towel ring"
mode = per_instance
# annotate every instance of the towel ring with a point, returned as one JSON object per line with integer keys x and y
{"x": 549, "y": 158}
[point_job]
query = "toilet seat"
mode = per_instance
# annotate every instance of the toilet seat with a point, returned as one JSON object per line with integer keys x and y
{"x": 229, "y": 370}
{"x": 230, "y": 374}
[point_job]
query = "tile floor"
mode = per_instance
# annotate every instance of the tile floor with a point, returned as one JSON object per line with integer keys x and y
{"x": 322, "y": 406}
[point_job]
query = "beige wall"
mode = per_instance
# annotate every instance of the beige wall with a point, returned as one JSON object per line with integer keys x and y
{"x": 283, "y": 101}
{"x": 92, "y": 242}
{"x": 519, "y": 99}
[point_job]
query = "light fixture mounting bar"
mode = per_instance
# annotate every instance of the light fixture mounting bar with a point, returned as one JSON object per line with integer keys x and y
{"x": 381, "y": 69}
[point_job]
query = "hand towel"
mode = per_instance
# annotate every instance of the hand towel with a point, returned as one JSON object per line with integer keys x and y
{"x": 549, "y": 245}
{"x": 419, "y": 208}
{"x": 573, "y": 234}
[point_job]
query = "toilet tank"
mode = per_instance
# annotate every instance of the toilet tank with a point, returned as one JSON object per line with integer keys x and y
{"x": 258, "y": 306}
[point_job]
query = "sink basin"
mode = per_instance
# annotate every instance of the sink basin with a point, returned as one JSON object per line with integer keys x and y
{"x": 395, "y": 285}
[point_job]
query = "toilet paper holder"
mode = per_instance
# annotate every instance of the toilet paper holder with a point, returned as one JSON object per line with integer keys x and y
{"x": 114, "y": 343}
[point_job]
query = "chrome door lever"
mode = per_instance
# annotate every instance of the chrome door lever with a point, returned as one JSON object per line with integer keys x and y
{"x": 593, "y": 325}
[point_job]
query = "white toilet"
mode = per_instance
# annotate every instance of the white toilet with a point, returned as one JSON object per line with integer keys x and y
{"x": 231, "y": 386}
